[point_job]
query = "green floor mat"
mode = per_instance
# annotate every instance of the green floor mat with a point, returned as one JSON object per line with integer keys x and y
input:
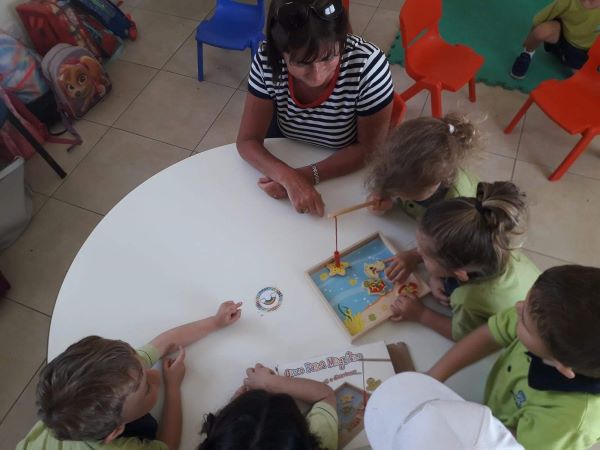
{"x": 495, "y": 29}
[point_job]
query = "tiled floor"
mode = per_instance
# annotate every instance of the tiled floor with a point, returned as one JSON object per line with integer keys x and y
{"x": 159, "y": 114}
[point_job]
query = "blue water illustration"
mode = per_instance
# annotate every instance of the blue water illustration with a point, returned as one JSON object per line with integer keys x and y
{"x": 342, "y": 292}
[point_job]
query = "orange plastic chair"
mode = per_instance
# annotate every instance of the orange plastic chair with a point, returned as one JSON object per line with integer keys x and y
{"x": 434, "y": 64}
{"x": 398, "y": 110}
{"x": 574, "y": 104}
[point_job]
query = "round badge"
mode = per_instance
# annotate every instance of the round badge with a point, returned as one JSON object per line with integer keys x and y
{"x": 269, "y": 299}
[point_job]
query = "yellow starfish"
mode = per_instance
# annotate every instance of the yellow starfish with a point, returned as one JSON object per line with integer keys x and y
{"x": 335, "y": 270}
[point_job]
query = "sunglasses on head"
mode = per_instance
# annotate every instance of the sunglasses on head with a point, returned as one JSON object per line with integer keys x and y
{"x": 293, "y": 15}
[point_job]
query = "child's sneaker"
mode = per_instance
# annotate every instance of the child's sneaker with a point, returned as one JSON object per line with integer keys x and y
{"x": 520, "y": 66}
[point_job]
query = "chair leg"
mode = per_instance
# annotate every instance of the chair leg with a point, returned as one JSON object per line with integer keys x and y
{"x": 579, "y": 148}
{"x": 518, "y": 116}
{"x": 36, "y": 145}
{"x": 436, "y": 102}
{"x": 411, "y": 91}
{"x": 200, "y": 62}
{"x": 472, "y": 93}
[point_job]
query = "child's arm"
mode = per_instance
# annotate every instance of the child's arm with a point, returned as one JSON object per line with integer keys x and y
{"x": 184, "y": 335}
{"x": 473, "y": 347}
{"x": 169, "y": 430}
{"x": 409, "y": 307}
{"x": 309, "y": 391}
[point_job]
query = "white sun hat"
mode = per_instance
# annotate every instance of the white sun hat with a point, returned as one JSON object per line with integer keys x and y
{"x": 412, "y": 411}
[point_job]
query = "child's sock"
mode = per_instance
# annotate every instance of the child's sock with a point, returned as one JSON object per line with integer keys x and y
{"x": 530, "y": 53}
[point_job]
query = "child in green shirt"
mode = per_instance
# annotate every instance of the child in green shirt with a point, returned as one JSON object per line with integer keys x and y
{"x": 468, "y": 247}
{"x": 420, "y": 165}
{"x": 98, "y": 393}
{"x": 567, "y": 28}
{"x": 545, "y": 385}
{"x": 264, "y": 413}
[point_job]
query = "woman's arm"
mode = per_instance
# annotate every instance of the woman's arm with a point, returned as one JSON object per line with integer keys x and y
{"x": 372, "y": 131}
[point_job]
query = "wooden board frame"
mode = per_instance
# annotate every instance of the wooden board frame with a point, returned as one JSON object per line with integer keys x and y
{"x": 383, "y": 302}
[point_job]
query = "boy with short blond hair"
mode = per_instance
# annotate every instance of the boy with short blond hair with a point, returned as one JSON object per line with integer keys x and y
{"x": 99, "y": 392}
{"x": 546, "y": 384}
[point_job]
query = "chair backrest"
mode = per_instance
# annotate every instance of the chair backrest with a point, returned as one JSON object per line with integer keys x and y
{"x": 592, "y": 66}
{"x": 235, "y": 7}
{"x": 417, "y": 16}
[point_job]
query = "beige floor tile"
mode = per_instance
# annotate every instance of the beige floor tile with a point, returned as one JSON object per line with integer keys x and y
{"x": 22, "y": 416}
{"x": 416, "y": 105}
{"x": 221, "y": 66}
{"x": 392, "y": 5}
{"x": 38, "y": 200}
{"x": 544, "y": 142}
{"x": 382, "y": 29}
{"x": 564, "y": 215}
{"x": 492, "y": 112}
{"x": 38, "y": 261}
{"x": 175, "y": 109}
{"x": 491, "y": 167}
{"x": 128, "y": 80}
{"x": 159, "y": 37}
{"x": 244, "y": 84}
{"x": 543, "y": 261}
{"x": 120, "y": 162}
{"x": 24, "y": 337}
{"x": 38, "y": 173}
{"x": 360, "y": 16}
{"x": 374, "y": 3}
{"x": 188, "y": 9}
{"x": 225, "y": 129}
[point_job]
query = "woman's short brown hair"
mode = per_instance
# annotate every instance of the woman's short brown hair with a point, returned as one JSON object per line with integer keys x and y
{"x": 318, "y": 38}
{"x": 81, "y": 392}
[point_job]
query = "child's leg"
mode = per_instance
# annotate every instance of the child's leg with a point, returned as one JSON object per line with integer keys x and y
{"x": 544, "y": 32}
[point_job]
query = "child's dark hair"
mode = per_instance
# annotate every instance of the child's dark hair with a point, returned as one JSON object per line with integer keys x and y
{"x": 421, "y": 153}
{"x": 564, "y": 304}
{"x": 81, "y": 392}
{"x": 258, "y": 420}
{"x": 477, "y": 234}
{"x": 318, "y": 38}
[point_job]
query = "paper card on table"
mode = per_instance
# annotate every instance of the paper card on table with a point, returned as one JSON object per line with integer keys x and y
{"x": 353, "y": 374}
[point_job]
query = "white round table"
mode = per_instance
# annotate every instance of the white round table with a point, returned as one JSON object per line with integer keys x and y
{"x": 201, "y": 232}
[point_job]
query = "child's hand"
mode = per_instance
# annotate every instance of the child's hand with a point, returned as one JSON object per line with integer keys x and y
{"x": 401, "y": 266}
{"x": 439, "y": 292}
{"x": 272, "y": 188}
{"x": 229, "y": 312}
{"x": 407, "y": 307}
{"x": 383, "y": 204}
{"x": 174, "y": 369}
{"x": 258, "y": 377}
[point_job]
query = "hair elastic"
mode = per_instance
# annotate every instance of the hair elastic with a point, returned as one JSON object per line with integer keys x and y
{"x": 451, "y": 128}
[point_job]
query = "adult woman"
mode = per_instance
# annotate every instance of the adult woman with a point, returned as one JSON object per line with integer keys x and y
{"x": 313, "y": 82}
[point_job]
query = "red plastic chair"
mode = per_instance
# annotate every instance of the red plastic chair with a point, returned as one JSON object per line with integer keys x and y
{"x": 434, "y": 64}
{"x": 398, "y": 110}
{"x": 574, "y": 104}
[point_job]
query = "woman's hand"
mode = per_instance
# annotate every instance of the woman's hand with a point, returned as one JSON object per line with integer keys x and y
{"x": 382, "y": 205}
{"x": 400, "y": 266}
{"x": 272, "y": 188}
{"x": 303, "y": 195}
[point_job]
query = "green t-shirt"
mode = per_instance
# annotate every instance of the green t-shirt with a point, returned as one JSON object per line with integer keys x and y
{"x": 580, "y": 26}
{"x": 543, "y": 420}
{"x": 323, "y": 422}
{"x": 473, "y": 303}
{"x": 464, "y": 185}
{"x": 42, "y": 438}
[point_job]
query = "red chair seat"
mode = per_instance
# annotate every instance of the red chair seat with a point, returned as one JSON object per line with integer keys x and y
{"x": 573, "y": 106}
{"x": 435, "y": 60}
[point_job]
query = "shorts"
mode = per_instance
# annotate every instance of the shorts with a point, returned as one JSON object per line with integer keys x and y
{"x": 570, "y": 55}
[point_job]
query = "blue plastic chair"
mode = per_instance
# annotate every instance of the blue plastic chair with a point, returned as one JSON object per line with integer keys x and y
{"x": 235, "y": 26}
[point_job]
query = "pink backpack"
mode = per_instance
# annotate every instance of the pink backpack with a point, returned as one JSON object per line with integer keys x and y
{"x": 77, "y": 79}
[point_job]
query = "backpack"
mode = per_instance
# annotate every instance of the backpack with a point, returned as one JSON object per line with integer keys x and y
{"x": 50, "y": 22}
{"x": 76, "y": 77}
{"x": 19, "y": 70}
{"x": 111, "y": 16}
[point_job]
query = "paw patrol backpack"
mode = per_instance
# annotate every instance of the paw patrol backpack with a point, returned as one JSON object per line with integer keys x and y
{"x": 77, "y": 78}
